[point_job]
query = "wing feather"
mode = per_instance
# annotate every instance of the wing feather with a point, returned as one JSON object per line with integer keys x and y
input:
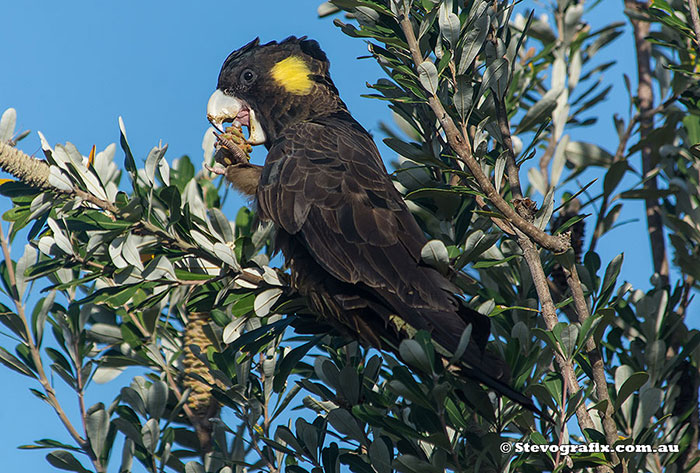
{"x": 325, "y": 185}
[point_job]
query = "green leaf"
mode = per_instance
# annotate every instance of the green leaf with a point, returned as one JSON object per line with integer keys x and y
{"x": 380, "y": 455}
{"x": 428, "y": 76}
{"x": 290, "y": 361}
{"x": 650, "y": 399}
{"x": 434, "y": 253}
{"x": 473, "y": 41}
{"x": 346, "y": 424}
{"x": 129, "y": 162}
{"x": 413, "y": 464}
{"x": 12, "y": 362}
{"x": 610, "y": 278}
{"x": 614, "y": 176}
{"x": 463, "y": 96}
{"x": 266, "y": 300}
{"x": 408, "y": 150}
{"x": 568, "y": 337}
{"x": 540, "y": 112}
{"x": 413, "y": 354}
{"x": 629, "y": 385}
{"x": 349, "y": 384}
{"x": 495, "y": 78}
{"x": 7, "y": 124}
{"x": 449, "y": 25}
{"x": 330, "y": 458}
{"x": 150, "y": 434}
{"x": 491, "y": 263}
{"x": 97, "y": 427}
{"x": 157, "y": 398}
{"x": 49, "y": 443}
{"x": 65, "y": 460}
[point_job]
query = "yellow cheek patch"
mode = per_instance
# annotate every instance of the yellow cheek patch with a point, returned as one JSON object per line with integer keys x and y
{"x": 293, "y": 74}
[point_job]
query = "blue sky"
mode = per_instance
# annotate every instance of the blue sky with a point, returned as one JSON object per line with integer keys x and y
{"x": 72, "y": 68}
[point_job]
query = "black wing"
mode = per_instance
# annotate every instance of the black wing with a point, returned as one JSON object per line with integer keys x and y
{"x": 325, "y": 187}
{"x": 325, "y": 184}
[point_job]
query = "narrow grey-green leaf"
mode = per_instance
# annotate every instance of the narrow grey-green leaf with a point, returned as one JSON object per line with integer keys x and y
{"x": 540, "y": 111}
{"x": 463, "y": 96}
{"x": 346, "y": 424}
{"x": 582, "y": 154}
{"x": 627, "y": 383}
{"x": 127, "y": 455}
{"x": 495, "y": 78}
{"x": 473, "y": 42}
{"x": 12, "y": 362}
{"x": 157, "y": 398}
{"x": 428, "y": 76}
{"x": 150, "y": 433}
{"x": 60, "y": 238}
{"x": 463, "y": 344}
{"x": 130, "y": 251}
{"x": 413, "y": 354}
{"x": 545, "y": 213}
{"x": 435, "y": 254}
{"x": 152, "y": 162}
{"x": 7, "y": 124}
{"x": 558, "y": 161}
{"x": 194, "y": 467}
{"x": 499, "y": 168}
{"x": 449, "y": 25}
{"x": 611, "y": 273}
{"x": 614, "y": 176}
{"x": 27, "y": 259}
{"x": 97, "y": 426}
{"x": 265, "y": 300}
{"x": 65, "y": 460}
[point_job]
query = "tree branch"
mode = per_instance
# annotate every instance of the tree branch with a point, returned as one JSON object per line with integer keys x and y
{"x": 693, "y": 7}
{"x": 596, "y": 360}
{"x": 645, "y": 96}
{"x": 460, "y": 145}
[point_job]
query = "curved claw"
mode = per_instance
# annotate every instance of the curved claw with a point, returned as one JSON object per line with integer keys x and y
{"x": 218, "y": 170}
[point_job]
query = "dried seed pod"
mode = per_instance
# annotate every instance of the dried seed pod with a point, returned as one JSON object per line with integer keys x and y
{"x": 200, "y": 401}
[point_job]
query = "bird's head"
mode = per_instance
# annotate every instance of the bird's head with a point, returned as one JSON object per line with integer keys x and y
{"x": 270, "y": 86}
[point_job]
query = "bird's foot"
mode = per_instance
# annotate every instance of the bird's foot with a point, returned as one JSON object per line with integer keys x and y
{"x": 232, "y": 147}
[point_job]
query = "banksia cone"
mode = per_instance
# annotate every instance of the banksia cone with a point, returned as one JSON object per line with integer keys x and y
{"x": 27, "y": 169}
{"x": 200, "y": 401}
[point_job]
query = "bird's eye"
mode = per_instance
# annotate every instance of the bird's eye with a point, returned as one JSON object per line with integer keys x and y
{"x": 247, "y": 77}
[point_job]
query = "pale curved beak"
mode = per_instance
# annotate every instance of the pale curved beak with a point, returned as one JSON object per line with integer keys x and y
{"x": 223, "y": 108}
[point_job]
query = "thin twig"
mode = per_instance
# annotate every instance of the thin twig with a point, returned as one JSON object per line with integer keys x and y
{"x": 511, "y": 166}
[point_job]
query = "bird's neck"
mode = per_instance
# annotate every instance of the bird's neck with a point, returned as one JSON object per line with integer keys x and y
{"x": 277, "y": 118}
